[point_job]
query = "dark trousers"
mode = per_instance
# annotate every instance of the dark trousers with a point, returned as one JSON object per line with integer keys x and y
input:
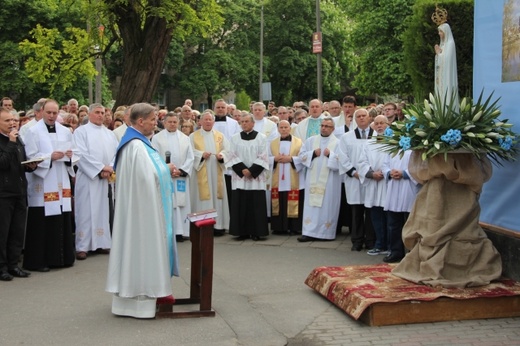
{"x": 13, "y": 213}
{"x": 396, "y": 221}
{"x": 227, "y": 178}
{"x": 345, "y": 212}
{"x": 379, "y": 222}
{"x": 362, "y": 231}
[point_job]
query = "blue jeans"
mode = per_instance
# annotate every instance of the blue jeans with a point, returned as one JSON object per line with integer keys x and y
{"x": 396, "y": 221}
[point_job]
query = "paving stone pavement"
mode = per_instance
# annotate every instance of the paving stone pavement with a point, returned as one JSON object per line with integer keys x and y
{"x": 334, "y": 327}
{"x": 258, "y": 295}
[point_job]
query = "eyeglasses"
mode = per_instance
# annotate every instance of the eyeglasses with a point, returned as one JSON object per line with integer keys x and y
{"x": 326, "y": 126}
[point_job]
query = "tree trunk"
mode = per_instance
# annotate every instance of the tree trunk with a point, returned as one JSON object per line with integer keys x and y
{"x": 144, "y": 51}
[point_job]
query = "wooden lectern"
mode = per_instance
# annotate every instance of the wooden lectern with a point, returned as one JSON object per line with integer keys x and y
{"x": 201, "y": 283}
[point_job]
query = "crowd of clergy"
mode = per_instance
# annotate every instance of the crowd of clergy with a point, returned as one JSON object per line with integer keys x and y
{"x": 307, "y": 170}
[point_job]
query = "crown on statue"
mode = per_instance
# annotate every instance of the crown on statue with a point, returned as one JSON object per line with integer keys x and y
{"x": 440, "y": 15}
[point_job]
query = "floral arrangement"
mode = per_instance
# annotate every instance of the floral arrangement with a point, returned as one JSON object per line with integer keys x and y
{"x": 439, "y": 127}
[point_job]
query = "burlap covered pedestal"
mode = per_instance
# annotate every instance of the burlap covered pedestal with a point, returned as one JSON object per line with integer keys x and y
{"x": 447, "y": 246}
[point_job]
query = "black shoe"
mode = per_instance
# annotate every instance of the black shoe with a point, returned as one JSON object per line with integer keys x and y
{"x": 356, "y": 247}
{"x": 392, "y": 258}
{"x": 304, "y": 239}
{"x": 5, "y": 276}
{"x": 218, "y": 232}
{"x": 257, "y": 238}
{"x": 41, "y": 270}
{"x": 17, "y": 272}
{"x": 179, "y": 238}
{"x": 241, "y": 237}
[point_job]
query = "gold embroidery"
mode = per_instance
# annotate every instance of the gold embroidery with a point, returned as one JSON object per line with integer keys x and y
{"x": 51, "y": 196}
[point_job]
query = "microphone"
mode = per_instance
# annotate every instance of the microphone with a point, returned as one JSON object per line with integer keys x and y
{"x": 168, "y": 156}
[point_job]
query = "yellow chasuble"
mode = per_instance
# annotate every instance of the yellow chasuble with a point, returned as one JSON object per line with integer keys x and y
{"x": 294, "y": 193}
{"x": 202, "y": 174}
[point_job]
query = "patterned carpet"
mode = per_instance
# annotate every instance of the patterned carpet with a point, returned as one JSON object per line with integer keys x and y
{"x": 354, "y": 288}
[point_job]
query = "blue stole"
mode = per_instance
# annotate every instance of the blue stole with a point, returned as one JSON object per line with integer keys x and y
{"x": 165, "y": 183}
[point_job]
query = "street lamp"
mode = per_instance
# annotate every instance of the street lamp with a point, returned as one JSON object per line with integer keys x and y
{"x": 260, "y": 79}
{"x": 318, "y": 55}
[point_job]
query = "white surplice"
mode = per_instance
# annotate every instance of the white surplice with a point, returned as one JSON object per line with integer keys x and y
{"x": 350, "y": 152}
{"x": 373, "y": 158}
{"x": 25, "y": 128}
{"x": 120, "y": 132}
{"x": 270, "y": 130}
{"x": 50, "y": 177}
{"x": 400, "y": 194}
{"x": 179, "y": 146}
{"x": 228, "y": 128}
{"x": 221, "y": 205}
{"x": 320, "y": 222}
{"x": 97, "y": 147}
{"x": 248, "y": 152}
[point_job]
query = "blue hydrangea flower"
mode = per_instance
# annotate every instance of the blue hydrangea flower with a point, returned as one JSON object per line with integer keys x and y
{"x": 410, "y": 123}
{"x": 388, "y": 132}
{"x": 452, "y": 137}
{"x": 506, "y": 143}
{"x": 404, "y": 142}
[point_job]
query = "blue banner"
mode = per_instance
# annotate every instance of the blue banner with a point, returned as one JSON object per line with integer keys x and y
{"x": 497, "y": 69}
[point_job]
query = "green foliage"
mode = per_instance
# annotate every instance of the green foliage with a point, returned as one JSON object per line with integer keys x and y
{"x": 242, "y": 100}
{"x": 292, "y": 67}
{"x": 376, "y": 37}
{"x": 421, "y": 36}
{"x": 224, "y": 61}
{"x": 57, "y": 59}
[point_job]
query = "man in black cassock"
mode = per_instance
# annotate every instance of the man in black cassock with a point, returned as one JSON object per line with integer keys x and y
{"x": 248, "y": 159}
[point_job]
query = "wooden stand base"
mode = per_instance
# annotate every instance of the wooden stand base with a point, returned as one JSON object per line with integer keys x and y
{"x": 201, "y": 284}
{"x": 441, "y": 309}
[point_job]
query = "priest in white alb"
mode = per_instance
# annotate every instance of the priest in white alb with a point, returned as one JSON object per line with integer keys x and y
{"x": 322, "y": 184}
{"x": 97, "y": 147}
{"x": 144, "y": 251}
{"x": 208, "y": 187}
{"x": 175, "y": 147}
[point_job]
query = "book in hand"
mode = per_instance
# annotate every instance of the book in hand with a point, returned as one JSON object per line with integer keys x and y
{"x": 202, "y": 215}
{"x": 38, "y": 159}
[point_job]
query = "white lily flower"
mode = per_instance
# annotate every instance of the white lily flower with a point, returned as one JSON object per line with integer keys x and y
{"x": 493, "y": 135}
{"x": 477, "y": 116}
